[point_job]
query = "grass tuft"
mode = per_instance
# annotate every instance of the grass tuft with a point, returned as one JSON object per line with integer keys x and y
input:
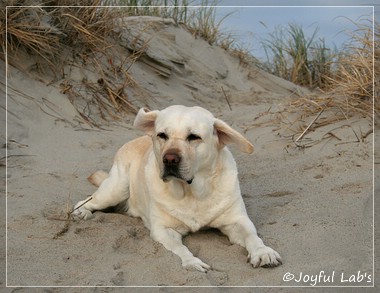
{"x": 28, "y": 30}
{"x": 354, "y": 67}
{"x": 344, "y": 79}
{"x": 295, "y": 57}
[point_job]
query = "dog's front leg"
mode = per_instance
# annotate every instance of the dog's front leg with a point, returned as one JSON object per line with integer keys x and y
{"x": 172, "y": 240}
{"x": 243, "y": 232}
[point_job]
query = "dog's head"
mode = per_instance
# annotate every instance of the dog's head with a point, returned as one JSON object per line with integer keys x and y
{"x": 187, "y": 140}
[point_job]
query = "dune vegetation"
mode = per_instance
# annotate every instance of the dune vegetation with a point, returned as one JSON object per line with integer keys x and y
{"x": 344, "y": 80}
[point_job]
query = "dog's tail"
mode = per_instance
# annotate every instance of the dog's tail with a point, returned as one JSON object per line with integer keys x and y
{"x": 97, "y": 177}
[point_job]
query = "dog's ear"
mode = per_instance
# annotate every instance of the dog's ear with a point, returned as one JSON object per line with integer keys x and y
{"x": 145, "y": 120}
{"x": 228, "y": 135}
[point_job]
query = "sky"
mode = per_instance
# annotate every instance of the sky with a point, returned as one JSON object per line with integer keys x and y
{"x": 254, "y": 22}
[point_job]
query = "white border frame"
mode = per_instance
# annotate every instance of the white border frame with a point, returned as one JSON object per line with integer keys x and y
{"x": 196, "y": 6}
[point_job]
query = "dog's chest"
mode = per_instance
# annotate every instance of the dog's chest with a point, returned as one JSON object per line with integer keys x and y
{"x": 195, "y": 212}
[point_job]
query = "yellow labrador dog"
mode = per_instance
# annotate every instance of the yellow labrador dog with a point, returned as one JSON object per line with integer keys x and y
{"x": 179, "y": 178}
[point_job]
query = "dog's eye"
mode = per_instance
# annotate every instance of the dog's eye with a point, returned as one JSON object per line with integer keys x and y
{"x": 193, "y": 137}
{"x": 162, "y": 136}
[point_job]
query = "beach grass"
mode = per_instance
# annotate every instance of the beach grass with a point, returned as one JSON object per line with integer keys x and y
{"x": 343, "y": 79}
{"x": 294, "y": 56}
{"x": 56, "y": 27}
{"x": 55, "y": 32}
{"x": 45, "y": 29}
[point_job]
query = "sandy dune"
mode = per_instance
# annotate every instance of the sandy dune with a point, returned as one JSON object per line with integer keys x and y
{"x": 313, "y": 205}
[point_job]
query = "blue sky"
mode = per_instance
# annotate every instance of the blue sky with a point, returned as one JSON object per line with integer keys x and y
{"x": 252, "y": 24}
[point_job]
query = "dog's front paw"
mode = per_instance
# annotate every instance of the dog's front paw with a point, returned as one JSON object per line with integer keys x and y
{"x": 80, "y": 212}
{"x": 195, "y": 263}
{"x": 264, "y": 256}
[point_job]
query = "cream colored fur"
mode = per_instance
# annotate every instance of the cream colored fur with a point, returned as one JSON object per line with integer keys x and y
{"x": 202, "y": 192}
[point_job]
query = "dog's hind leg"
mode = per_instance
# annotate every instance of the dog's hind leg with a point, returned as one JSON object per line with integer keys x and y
{"x": 112, "y": 191}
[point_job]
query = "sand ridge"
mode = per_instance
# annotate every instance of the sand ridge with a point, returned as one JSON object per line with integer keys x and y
{"x": 313, "y": 205}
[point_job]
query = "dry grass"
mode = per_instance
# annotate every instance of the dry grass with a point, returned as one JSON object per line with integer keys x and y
{"x": 84, "y": 27}
{"x": 26, "y": 30}
{"x": 46, "y": 30}
{"x": 57, "y": 35}
{"x": 346, "y": 77}
{"x": 296, "y": 57}
{"x": 350, "y": 90}
{"x": 50, "y": 33}
{"x": 60, "y": 35}
{"x": 355, "y": 70}
{"x": 202, "y": 22}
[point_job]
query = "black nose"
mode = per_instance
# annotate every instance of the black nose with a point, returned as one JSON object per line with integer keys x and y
{"x": 171, "y": 159}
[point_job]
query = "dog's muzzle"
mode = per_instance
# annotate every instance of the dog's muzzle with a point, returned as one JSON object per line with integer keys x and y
{"x": 172, "y": 163}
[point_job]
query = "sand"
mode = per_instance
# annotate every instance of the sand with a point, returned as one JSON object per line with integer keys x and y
{"x": 314, "y": 205}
